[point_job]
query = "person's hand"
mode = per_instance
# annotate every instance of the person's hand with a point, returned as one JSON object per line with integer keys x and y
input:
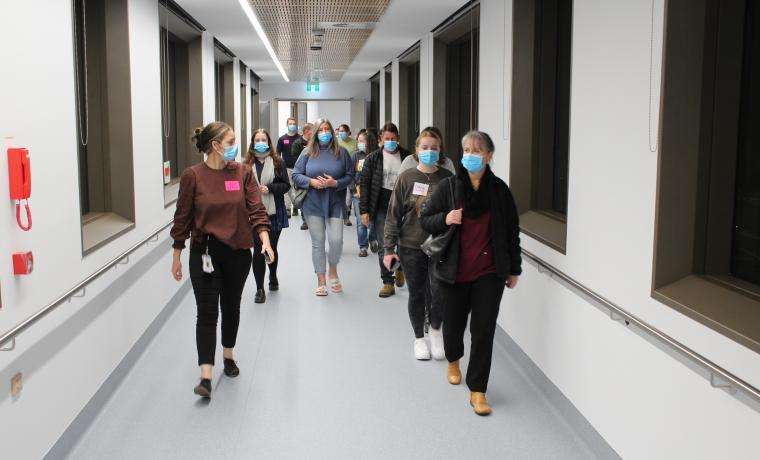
{"x": 512, "y": 281}
{"x": 267, "y": 249}
{"x": 388, "y": 260}
{"x": 454, "y": 217}
{"x": 263, "y": 189}
{"x": 365, "y": 220}
{"x": 176, "y": 267}
{"x": 317, "y": 183}
{"x": 329, "y": 181}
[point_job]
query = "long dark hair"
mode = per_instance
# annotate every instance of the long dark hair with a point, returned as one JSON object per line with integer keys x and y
{"x": 251, "y": 155}
{"x": 371, "y": 137}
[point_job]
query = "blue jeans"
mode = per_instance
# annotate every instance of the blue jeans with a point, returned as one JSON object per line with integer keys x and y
{"x": 362, "y": 232}
{"x": 321, "y": 229}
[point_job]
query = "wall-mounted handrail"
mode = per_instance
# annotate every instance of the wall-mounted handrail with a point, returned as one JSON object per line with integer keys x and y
{"x": 719, "y": 377}
{"x": 76, "y": 291}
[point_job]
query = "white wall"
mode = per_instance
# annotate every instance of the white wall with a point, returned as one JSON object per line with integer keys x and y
{"x": 283, "y": 113}
{"x": 426, "y": 79}
{"x": 395, "y": 92}
{"x": 645, "y": 403}
{"x": 64, "y": 364}
{"x": 337, "y": 112}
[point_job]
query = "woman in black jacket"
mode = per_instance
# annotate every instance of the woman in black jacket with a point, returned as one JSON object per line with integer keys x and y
{"x": 272, "y": 177}
{"x": 483, "y": 255}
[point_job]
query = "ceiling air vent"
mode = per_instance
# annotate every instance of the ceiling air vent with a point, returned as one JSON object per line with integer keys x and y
{"x": 347, "y": 25}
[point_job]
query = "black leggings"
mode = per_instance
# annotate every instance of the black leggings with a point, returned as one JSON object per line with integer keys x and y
{"x": 259, "y": 264}
{"x": 422, "y": 295}
{"x": 225, "y": 286}
{"x": 481, "y": 298}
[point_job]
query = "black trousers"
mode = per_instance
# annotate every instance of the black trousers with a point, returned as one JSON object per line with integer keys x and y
{"x": 224, "y": 286}
{"x": 481, "y": 298}
{"x": 259, "y": 263}
{"x": 423, "y": 295}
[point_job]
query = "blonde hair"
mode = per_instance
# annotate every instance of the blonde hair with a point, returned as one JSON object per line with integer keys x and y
{"x": 434, "y": 135}
{"x": 314, "y": 141}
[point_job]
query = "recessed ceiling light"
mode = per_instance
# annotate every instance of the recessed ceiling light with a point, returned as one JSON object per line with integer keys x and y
{"x": 262, "y": 35}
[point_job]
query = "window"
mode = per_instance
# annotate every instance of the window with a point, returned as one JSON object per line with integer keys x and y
{"x": 409, "y": 95}
{"x": 181, "y": 94}
{"x": 707, "y": 249}
{"x": 255, "y": 114}
{"x": 388, "y": 75}
{"x": 541, "y": 117}
{"x": 374, "y": 103}
{"x": 104, "y": 120}
{"x": 455, "y": 101}
{"x": 224, "y": 83}
{"x": 243, "y": 113}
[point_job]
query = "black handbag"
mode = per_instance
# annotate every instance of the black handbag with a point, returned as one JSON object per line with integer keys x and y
{"x": 435, "y": 245}
{"x": 299, "y": 194}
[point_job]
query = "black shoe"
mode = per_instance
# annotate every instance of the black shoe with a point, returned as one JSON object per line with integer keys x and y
{"x": 203, "y": 389}
{"x": 288, "y": 213}
{"x": 374, "y": 246}
{"x": 295, "y": 211}
{"x": 363, "y": 252}
{"x": 261, "y": 297}
{"x": 274, "y": 285}
{"x": 230, "y": 368}
{"x": 347, "y": 222}
{"x": 304, "y": 226}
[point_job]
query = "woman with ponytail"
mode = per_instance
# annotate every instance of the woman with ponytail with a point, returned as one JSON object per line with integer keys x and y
{"x": 219, "y": 204}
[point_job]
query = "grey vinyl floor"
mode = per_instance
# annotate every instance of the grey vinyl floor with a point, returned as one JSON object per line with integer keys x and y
{"x": 328, "y": 378}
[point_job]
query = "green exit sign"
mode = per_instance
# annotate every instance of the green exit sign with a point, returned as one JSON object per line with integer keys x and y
{"x": 312, "y": 86}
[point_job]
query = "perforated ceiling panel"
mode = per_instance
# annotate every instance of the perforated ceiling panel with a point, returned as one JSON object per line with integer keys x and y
{"x": 290, "y": 25}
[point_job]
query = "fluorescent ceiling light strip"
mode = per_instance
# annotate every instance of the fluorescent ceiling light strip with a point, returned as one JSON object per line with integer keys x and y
{"x": 262, "y": 35}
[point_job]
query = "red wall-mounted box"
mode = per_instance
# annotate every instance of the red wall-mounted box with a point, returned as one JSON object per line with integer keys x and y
{"x": 23, "y": 263}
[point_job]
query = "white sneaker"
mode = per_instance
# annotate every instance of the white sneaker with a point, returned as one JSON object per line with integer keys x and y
{"x": 436, "y": 344}
{"x": 421, "y": 350}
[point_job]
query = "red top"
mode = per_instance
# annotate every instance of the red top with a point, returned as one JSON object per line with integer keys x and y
{"x": 225, "y": 203}
{"x": 475, "y": 251}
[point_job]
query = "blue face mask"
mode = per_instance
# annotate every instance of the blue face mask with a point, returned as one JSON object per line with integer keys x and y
{"x": 429, "y": 157}
{"x": 472, "y": 163}
{"x": 324, "y": 138}
{"x": 342, "y": 135}
{"x": 390, "y": 146}
{"x": 261, "y": 147}
{"x": 361, "y": 146}
{"x": 230, "y": 153}
{"x": 292, "y": 128}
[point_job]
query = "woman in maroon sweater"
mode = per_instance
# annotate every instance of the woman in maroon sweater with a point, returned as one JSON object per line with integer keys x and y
{"x": 482, "y": 257}
{"x": 219, "y": 204}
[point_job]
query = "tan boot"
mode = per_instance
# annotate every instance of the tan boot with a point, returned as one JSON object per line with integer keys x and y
{"x": 479, "y": 403}
{"x": 387, "y": 290}
{"x": 400, "y": 278}
{"x": 454, "y": 374}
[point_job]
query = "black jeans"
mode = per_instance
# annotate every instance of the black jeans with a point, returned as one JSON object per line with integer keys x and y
{"x": 481, "y": 297}
{"x": 225, "y": 286}
{"x": 259, "y": 263}
{"x": 423, "y": 295}
{"x": 378, "y": 222}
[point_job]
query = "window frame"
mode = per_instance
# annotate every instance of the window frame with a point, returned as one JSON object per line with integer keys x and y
{"x": 535, "y": 134}
{"x": 107, "y": 44}
{"x": 699, "y": 117}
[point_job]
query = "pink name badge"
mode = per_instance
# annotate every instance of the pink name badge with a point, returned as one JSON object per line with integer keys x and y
{"x": 232, "y": 185}
{"x": 286, "y": 141}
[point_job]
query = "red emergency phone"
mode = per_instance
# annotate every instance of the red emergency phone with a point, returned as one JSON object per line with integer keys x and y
{"x": 20, "y": 181}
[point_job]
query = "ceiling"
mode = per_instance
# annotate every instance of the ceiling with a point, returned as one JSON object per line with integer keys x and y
{"x": 289, "y": 25}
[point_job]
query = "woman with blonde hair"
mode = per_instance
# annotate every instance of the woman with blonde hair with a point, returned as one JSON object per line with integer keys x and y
{"x": 271, "y": 174}
{"x": 325, "y": 170}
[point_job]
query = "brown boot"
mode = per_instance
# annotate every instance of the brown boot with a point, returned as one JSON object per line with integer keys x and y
{"x": 478, "y": 402}
{"x": 454, "y": 374}
{"x": 400, "y": 278}
{"x": 387, "y": 290}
